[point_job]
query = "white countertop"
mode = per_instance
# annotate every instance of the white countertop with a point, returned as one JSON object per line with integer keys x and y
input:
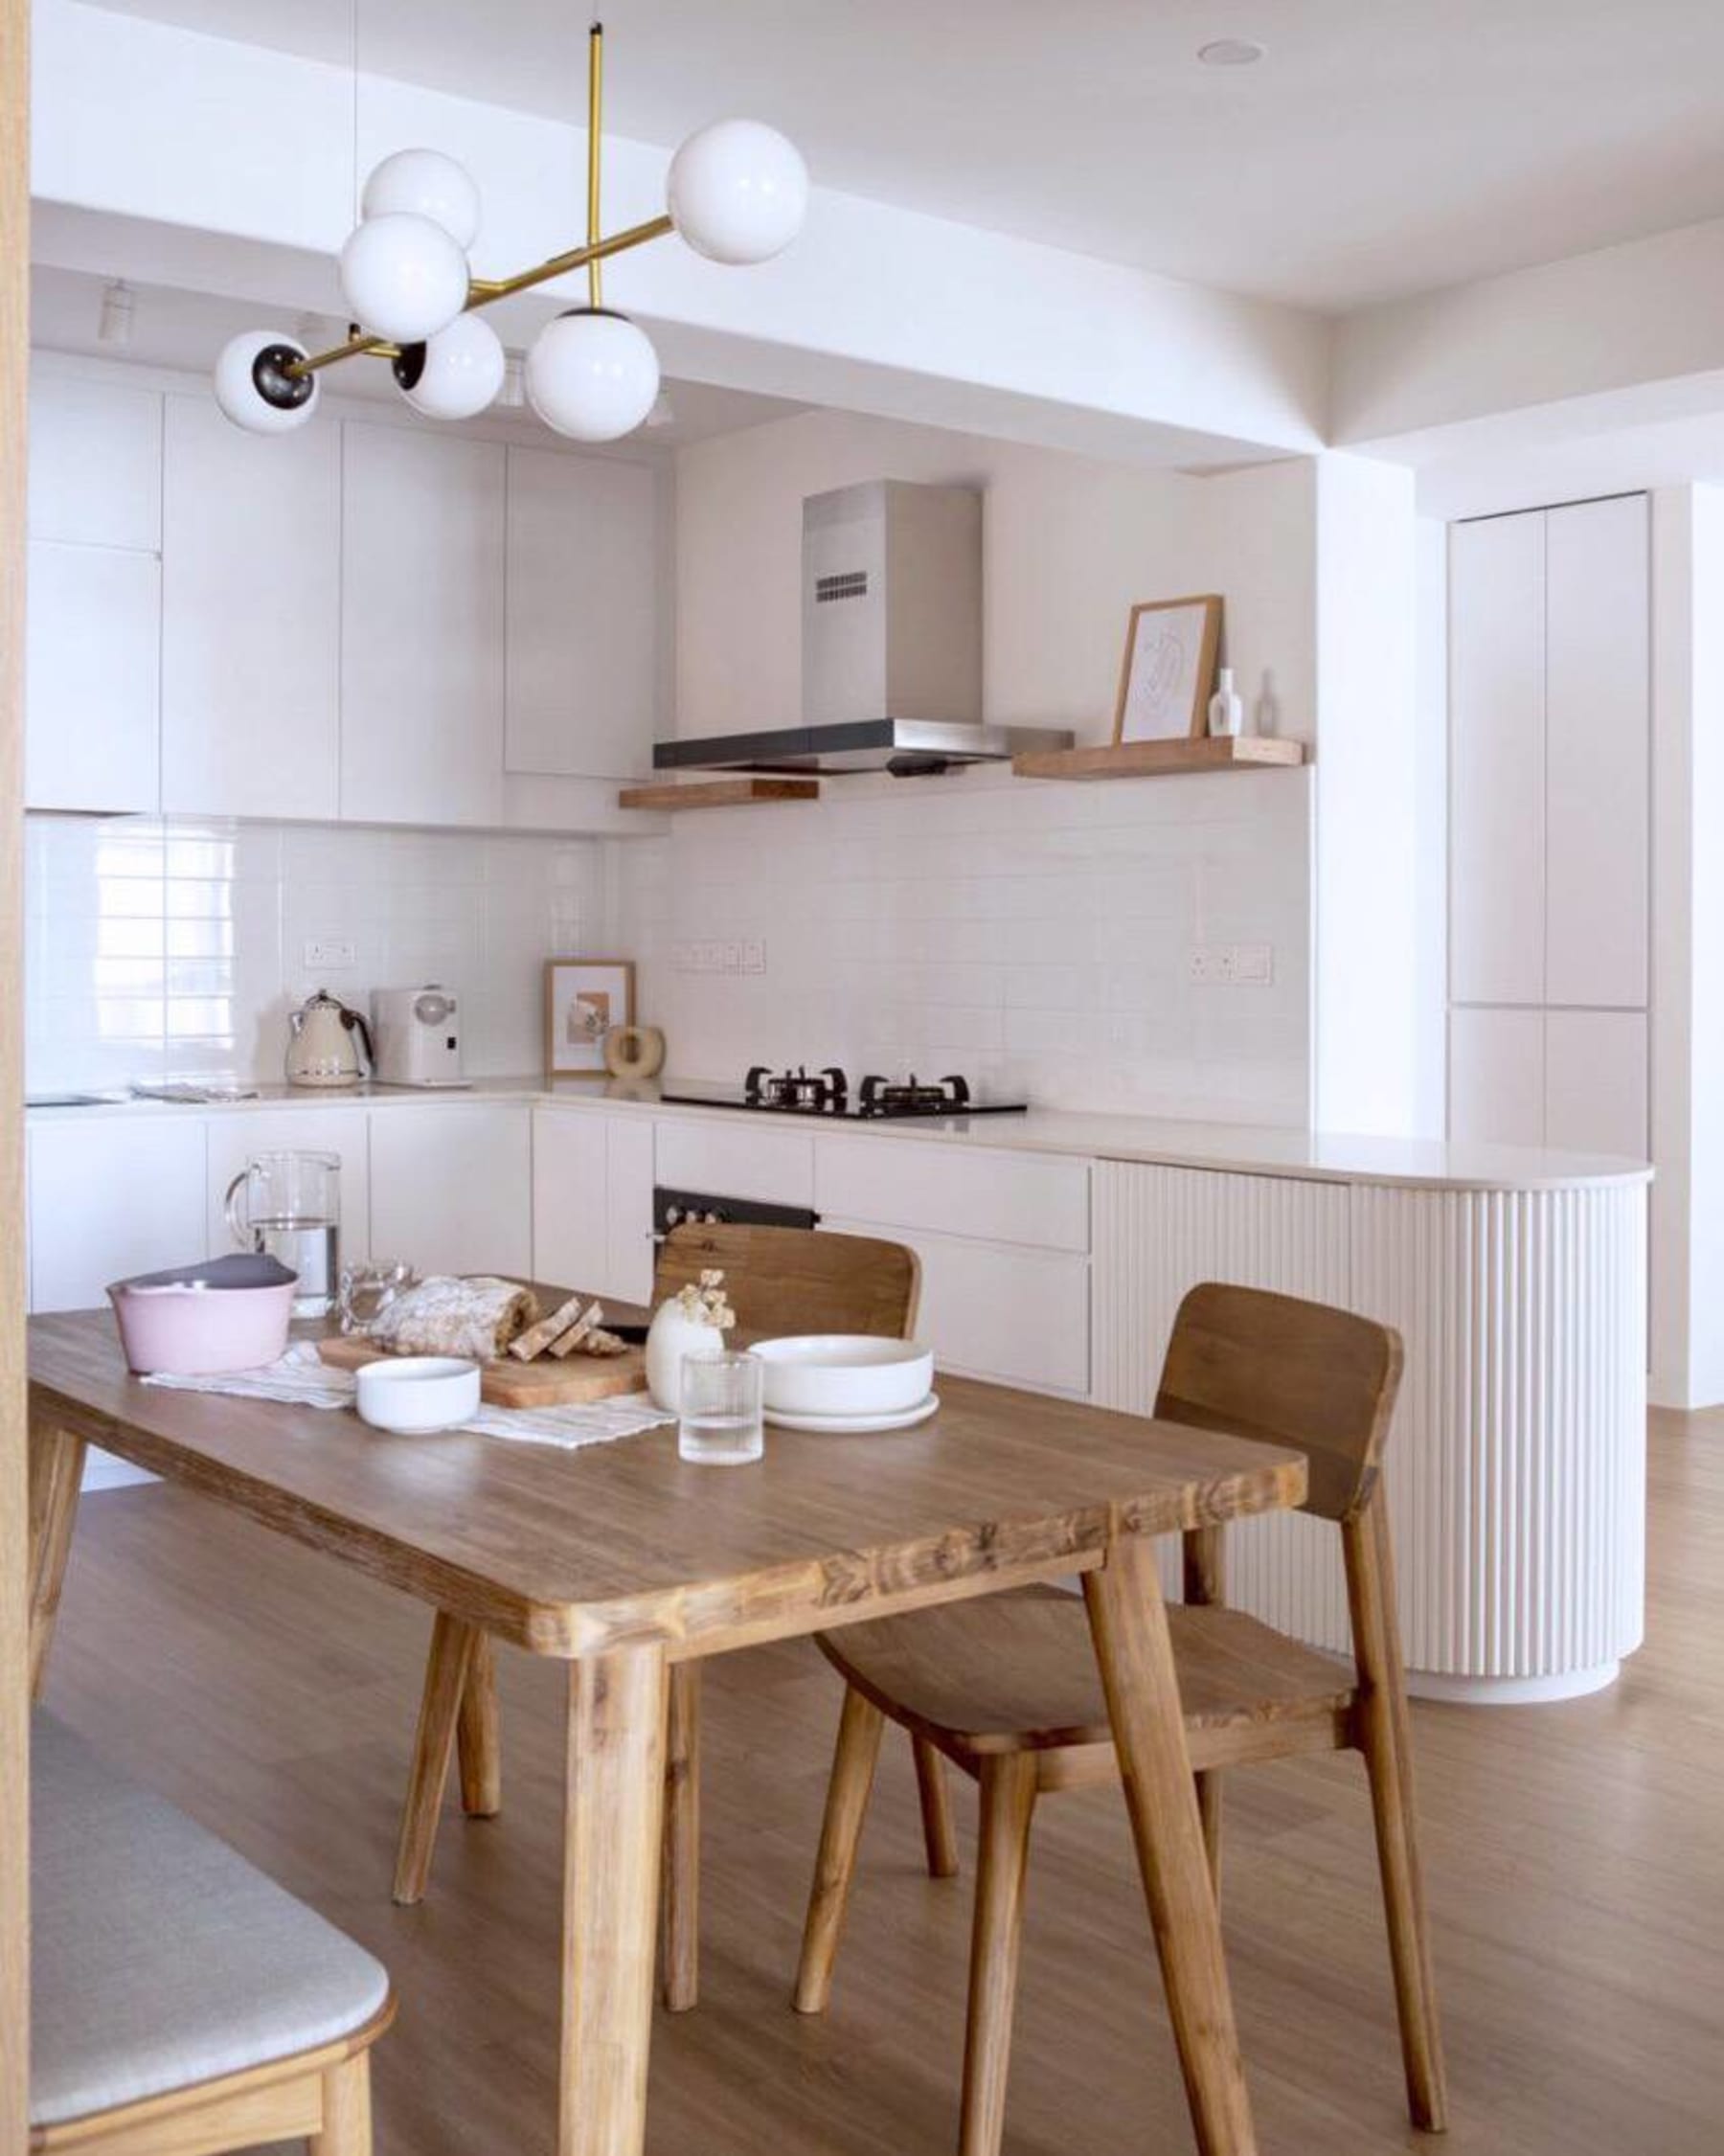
{"x": 1169, "y": 1142}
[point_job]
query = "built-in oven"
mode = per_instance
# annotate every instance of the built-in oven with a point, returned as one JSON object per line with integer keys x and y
{"x": 672, "y": 1208}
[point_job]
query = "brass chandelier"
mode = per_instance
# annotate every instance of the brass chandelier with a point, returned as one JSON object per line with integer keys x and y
{"x": 736, "y": 193}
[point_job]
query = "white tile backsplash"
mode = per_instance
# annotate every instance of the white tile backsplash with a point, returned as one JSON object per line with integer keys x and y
{"x": 1035, "y": 937}
{"x": 174, "y": 947}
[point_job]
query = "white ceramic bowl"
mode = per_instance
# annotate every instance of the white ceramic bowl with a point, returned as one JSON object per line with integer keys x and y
{"x": 415, "y": 1394}
{"x": 844, "y": 1373}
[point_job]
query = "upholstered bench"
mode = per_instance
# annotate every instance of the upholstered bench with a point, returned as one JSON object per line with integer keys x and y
{"x": 181, "y": 2003}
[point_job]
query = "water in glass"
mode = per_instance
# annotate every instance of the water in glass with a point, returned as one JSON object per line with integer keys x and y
{"x": 721, "y": 1424}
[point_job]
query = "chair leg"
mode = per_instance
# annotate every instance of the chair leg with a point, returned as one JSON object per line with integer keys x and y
{"x": 1384, "y": 1736}
{"x": 1208, "y": 1811}
{"x": 453, "y": 1643}
{"x": 937, "y": 1831}
{"x": 477, "y": 1743}
{"x": 346, "y": 2122}
{"x": 859, "y": 1732}
{"x": 679, "y": 1901}
{"x": 1007, "y": 1805}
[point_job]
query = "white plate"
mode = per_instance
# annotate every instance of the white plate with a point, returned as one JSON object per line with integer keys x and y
{"x": 856, "y": 1425}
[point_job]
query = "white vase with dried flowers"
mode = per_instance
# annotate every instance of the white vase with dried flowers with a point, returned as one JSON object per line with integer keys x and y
{"x": 691, "y": 1323}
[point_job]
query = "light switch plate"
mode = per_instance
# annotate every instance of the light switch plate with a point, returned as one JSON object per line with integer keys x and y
{"x": 325, "y": 954}
{"x": 1253, "y": 965}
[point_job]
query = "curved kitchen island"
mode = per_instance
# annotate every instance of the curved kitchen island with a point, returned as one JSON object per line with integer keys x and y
{"x": 1516, "y": 1462}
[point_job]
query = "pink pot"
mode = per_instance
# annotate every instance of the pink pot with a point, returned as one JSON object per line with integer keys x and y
{"x": 232, "y": 1313}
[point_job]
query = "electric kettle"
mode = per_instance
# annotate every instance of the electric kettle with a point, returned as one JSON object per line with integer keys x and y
{"x": 321, "y": 1049}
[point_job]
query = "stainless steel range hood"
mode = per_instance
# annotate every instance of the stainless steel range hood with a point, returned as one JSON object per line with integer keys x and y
{"x": 891, "y": 643}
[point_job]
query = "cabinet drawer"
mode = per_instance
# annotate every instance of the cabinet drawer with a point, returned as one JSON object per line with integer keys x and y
{"x": 998, "y": 1310}
{"x": 774, "y": 1166}
{"x": 990, "y": 1195}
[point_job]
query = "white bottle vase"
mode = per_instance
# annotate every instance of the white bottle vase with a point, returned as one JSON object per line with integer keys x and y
{"x": 672, "y": 1339}
{"x": 1226, "y": 712}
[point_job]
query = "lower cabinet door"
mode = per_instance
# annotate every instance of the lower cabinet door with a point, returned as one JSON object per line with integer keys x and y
{"x": 451, "y": 1188}
{"x": 999, "y": 1310}
{"x": 592, "y": 1202}
{"x": 110, "y": 1196}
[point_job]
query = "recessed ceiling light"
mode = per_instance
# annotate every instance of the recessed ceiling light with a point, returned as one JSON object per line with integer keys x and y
{"x": 1231, "y": 52}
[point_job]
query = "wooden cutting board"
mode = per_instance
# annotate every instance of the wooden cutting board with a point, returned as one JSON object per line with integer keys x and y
{"x": 545, "y": 1383}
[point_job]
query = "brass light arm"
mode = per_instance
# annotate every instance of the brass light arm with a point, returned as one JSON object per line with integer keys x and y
{"x": 594, "y": 136}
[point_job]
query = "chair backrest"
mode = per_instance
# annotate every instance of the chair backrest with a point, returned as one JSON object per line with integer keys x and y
{"x": 1294, "y": 1373}
{"x": 793, "y": 1280}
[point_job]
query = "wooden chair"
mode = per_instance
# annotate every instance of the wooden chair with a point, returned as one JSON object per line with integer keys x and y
{"x": 181, "y": 2003}
{"x": 1007, "y": 1689}
{"x": 779, "y": 1281}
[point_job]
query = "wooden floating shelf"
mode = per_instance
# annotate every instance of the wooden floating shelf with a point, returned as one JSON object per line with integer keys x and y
{"x": 1155, "y": 759}
{"x": 719, "y": 793}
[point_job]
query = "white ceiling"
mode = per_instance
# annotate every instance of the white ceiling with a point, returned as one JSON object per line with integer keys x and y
{"x": 187, "y": 330}
{"x": 1377, "y": 149}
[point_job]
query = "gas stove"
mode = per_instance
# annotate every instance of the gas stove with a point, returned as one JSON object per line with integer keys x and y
{"x": 829, "y": 1093}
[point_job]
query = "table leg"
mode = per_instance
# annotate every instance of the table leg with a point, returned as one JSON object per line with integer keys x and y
{"x": 57, "y": 1460}
{"x": 1129, "y": 1622}
{"x": 618, "y": 1705}
{"x": 679, "y": 1889}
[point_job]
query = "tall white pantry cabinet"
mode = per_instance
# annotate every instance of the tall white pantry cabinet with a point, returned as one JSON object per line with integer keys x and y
{"x": 1549, "y": 765}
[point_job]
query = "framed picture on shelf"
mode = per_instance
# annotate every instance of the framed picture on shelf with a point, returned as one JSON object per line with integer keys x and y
{"x": 584, "y": 998}
{"x": 1169, "y": 672}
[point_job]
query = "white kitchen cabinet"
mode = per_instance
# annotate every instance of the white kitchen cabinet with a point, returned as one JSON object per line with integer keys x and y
{"x": 991, "y": 1195}
{"x": 95, "y": 461}
{"x": 1596, "y": 1082}
{"x": 235, "y": 1138}
{"x": 1497, "y": 761}
{"x": 451, "y": 1187}
{"x": 592, "y": 1202}
{"x": 92, "y": 675}
{"x": 422, "y": 627}
{"x": 1597, "y": 731}
{"x": 999, "y": 1310}
{"x": 1497, "y": 1077}
{"x": 110, "y": 1196}
{"x": 728, "y": 1160}
{"x": 584, "y": 615}
{"x": 251, "y": 619}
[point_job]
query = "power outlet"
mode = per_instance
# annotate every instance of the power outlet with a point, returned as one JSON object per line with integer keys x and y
{"x": 754, "y": 955}
{"x": 1231, "y": 965}
{"x": 1253, "y": 965}
{"x": 328, "y": 954}
{"x": 1210, "y": 964}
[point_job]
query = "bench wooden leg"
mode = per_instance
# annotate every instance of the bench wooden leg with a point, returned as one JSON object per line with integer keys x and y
{"x": 1007, "y": 1805}
{"x": 347, "y": 2120}
{"x": 939, "y": 1835}
{"x": 56, "y": 1462}
{"x": 453, "y": 1645}
{"x": 476, "y": 1744}
{"x": 618, "y": 1708}
{"x": 859, "y": 1731}
{"x": 1129, "y": 1622}
{"x": 680, "y": 1889}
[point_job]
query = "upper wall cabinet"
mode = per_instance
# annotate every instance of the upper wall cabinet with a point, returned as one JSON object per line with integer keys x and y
{"x": 1598, "y": 719}
{"x": 95, "y": 463}
{"x": 1497, "y": 761}
{"x": 583, "y": 616}
{"x": 90, "y": 676}
{"x": 422, "y": 627}
{"x": 251, "y": 618}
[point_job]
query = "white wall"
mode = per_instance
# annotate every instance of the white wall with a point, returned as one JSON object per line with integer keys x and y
{"x": 1033, "y": 935}
{"x": 166, "y": 948}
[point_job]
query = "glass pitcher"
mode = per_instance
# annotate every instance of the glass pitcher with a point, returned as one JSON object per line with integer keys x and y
{"x": 288, "y": 1205}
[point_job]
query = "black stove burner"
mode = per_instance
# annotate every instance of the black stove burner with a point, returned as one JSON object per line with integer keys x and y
{"x": 828, "y": 1093}
{"x": 911, "y": 1097}
{"x": 818, "y": 1093}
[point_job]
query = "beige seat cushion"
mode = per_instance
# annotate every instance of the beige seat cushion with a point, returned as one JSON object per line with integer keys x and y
{"x": 1016, "y": 1671}
{"x": 160, "y": 1958}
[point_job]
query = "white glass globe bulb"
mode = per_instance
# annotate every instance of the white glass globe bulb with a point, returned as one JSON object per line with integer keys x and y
{"x": 592, "y": 374}
{"x": 424, "y": 183}
{"x": 455, "y": 375}
{"x": 253, "y": 389}
{"x": 737, "y": 191}
{"x": 403, "y": 277}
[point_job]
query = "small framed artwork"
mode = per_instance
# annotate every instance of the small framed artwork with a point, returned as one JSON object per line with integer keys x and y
{"x": 584, "y": 998}
{"x": 1169, "y": 672}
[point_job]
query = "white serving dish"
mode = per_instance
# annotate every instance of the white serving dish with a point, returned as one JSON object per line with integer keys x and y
{"x": 856, "y": 1425}
{"x": 413, "y": 1395}
{"x": 844, "y": 1373}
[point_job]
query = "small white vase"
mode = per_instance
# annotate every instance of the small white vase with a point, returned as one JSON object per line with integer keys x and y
{"x": 672, "y": 1339}
{"x": 1226, "y": 712}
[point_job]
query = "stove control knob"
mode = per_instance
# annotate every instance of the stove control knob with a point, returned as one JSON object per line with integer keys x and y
{"x": 673, "y": 1214}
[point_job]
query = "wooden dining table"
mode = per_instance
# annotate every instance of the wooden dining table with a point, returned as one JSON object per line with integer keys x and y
{"x": 620, "y": 1559}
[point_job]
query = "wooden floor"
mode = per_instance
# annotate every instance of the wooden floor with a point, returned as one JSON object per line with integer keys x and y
{"x": 1576, "y": 1857}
